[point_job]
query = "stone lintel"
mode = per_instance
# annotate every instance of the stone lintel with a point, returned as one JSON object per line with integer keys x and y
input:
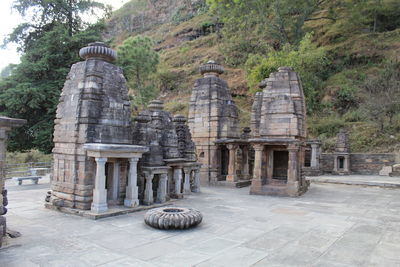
{"x": 312, "y": 142}
{"x": 279, "y": 141}
{"x": 114, "y": 150}
{"x": 231, "y": 141}
{"x": 6, "y": 122}
{"x": 155, "y": 169}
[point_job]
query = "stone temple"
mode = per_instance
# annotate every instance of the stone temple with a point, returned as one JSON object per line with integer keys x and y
{"x": 341, "y": 155}
{"x": 212, "y": 116}
{"x": 279, "y": 133}
{"x": 102, "y": 159}
{"x": 271, "y": 154}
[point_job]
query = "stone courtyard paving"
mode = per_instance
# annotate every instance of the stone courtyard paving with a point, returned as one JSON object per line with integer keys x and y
{"x": 331, "y": 225}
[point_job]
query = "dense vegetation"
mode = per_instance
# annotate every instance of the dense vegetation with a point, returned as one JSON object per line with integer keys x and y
{"x": 139, "y": 61}
{"x": 50, "y": 45}
{"x": 345, "y": 50}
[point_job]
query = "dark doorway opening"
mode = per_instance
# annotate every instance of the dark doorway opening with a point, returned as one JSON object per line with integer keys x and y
{"x": 224, "y": 160}
{"x": 280, "y": 168}
{"x": 341, "y": 162}
{"x": 307, "y": 158}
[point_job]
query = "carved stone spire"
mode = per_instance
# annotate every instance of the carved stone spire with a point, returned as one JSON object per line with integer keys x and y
{"x": 211, "y": 68}
{"x": 98, "y": 50}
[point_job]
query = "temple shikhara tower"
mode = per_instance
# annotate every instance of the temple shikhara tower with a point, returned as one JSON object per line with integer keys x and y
{"x": 94, "y": 110}
{"x": 278, "y": 125}
{"x": 212, "y": 116}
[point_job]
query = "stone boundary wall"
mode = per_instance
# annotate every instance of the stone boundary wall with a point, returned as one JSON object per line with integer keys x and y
{"x": 361, "y": 163}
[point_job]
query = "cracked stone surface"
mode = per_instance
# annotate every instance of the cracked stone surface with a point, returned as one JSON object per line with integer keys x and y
{"x": 331, "y": 225}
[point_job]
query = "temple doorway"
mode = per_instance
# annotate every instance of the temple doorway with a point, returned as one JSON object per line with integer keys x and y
{"x": 224, "y": 161}
{"x": 280, "y": 165}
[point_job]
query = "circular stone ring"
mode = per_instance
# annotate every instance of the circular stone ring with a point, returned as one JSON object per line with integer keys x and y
{"x": 173, "y": 218}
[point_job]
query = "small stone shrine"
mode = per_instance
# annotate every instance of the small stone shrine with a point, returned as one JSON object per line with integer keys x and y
{"x": 312, "y": 158}
{"x": 97, "y": 149}
{"x": 341, "y": 156}
{"x": 278, "y": 126}
{"x": 6, "y": 124}
{"x": 169, "y": 168}
{"x": 236, "y": 160}
{"x": 212, "y": 116}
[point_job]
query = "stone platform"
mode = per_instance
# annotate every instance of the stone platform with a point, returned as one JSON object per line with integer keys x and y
{"x": 237, "y": 184}
{"x": 340, "y": 226}
{"x": 360, "y": 180}
{"x": 112, "y": 211}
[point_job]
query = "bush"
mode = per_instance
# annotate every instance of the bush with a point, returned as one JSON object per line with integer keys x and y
{"x": 176, "y": 107}
{"x": 354, "y": 116}
{"x": 326, "y": 126}
{"x": 345, "y": 99}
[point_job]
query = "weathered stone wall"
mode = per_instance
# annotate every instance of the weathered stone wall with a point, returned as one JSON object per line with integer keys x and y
{"x": 360, "y": 163}
{"x": 280, "y": 110}
{"x": 154, "y": 127}
{"x": 212, "y": 115}
{"x": 94, "y": 107}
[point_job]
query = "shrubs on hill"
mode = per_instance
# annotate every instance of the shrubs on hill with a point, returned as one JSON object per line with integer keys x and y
{"x": 307, "y": 59}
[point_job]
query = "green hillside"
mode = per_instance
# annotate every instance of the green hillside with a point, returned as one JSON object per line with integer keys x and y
{"x": 360, "y": 44}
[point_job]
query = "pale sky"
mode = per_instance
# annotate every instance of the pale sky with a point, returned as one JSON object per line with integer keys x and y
{"x": 10, "y": 19}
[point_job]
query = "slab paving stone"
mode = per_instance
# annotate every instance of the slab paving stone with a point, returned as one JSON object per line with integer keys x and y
{"x": 291, "y": 255}
{"x": 182, "y": 258}
{"x": 237, "y": 256}
{"x": 249, "y": 233}
{"x": 214, "y": 246}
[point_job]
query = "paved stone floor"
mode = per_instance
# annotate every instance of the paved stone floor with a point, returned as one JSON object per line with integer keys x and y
{"x": 367, "y": 180}
{"x": 331, "y": 225}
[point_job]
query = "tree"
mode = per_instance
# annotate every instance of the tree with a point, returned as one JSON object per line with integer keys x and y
{"x": 372, "y": 15}
{"x": 139, "y": 61}
{"x": 6, "y": 71}
{"x": 44, "y": 15}
{"x": 32, "y": 90}
{"x": 252, "y": 26}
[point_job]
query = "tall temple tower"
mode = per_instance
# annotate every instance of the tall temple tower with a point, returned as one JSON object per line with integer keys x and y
{"x": 279, "y": 131}
{"x": 212, "y": 116}
{"x": 94, "y": 108}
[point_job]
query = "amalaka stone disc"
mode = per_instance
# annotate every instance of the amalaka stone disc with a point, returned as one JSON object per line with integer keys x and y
{"x": 173, "y": 218}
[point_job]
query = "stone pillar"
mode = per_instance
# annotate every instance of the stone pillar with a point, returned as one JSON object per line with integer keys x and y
{"x": 335, "y": 163}
{"x": 232, "y": 177}
{"x": 346, "y": 164}
{"x": 292, "y": 165}
{"x": 245, "y": 163}
{"x": 293, "y": 172}
{"x": 131, "y": 198}
{"x": 314, "y": 156}
{"x": 269, "y": 158}
{"x": 3, "y": 192}
{"x": 116, "y": 179}
{"x": 99, "y": 203}
{"x": 214, "y": 165}
{"x": 162, "y": 188}
{"x": 148, "y": 190}
{"x": 186, "y": 183}
{"x": 3, "y": 139}
{"x": 256, "y": 182}
{"x": 178, "y": 182}
{"x": 196, "y": 184}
